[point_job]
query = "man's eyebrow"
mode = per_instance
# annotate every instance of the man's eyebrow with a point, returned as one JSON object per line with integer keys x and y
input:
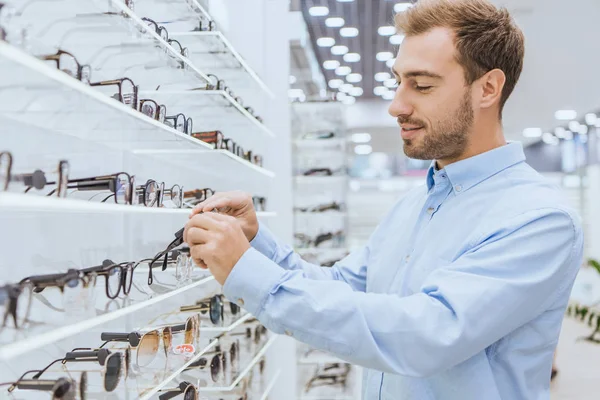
{"x": 417, "y": 73}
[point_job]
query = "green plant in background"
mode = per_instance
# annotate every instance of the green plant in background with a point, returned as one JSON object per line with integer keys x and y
{"x": 594, "y": 264}
{"x": 589, "y": 315}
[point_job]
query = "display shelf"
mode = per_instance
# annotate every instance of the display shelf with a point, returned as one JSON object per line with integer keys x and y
{"x": 43, "y": 335}
{"x": 174, "y": 375}
{"x": 209, "y": 110}
{"x": 320, "y": 358}
{"x": 330, "y": 213}
{"x": 225, "y": 161}
{"x": 229, "y": 328}
{"x": 244, "y": 372}
{"x": 319, "y": 143}
{"x": 320, "y": 180}
{"x": 326, "y": 397}
{"x": 270, "y": 385}
{"x": 211, "y": 51}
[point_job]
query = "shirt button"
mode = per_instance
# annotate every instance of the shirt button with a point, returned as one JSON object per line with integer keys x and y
{"x": 458, "y": 188}
{"x": 407, "y": 258}
{"x": 240, "y": 302}
{"x": 288, "y": 333}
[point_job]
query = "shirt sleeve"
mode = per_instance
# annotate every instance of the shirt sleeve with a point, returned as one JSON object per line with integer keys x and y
{"x": 511, "y": 275}
{"x": 351, "y": 270}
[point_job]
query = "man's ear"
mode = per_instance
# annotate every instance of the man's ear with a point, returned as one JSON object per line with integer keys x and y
{"x": 492, "y": 84}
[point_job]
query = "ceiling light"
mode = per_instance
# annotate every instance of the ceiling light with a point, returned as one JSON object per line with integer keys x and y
{"x": 549, "y": 138}
{"x": 339, "y": 50}
{"x": 390, "y": 83}
{"x": 559, "y": 132}
{"x": 390, "y": 63}
{"x": 382, "y": 76}
{"x": 568, "y": 135}
{"x": 386, "y": 30}
{"x": 361, "y": 137}
{"x": 591, "y": 118}
{"x": 583, "y": 139}
{"x": 583, "y": 130}
{"x": 380, "y": 90}
{"x": 331, "y": 64}
{"x": 345, "y": 1}
{"x": 318, "y": 11}
{"x": 356, "y": 92}
{"x": 598, "y": 125}
{"x": 325, "y": 42}
{"x": 349, "y": 32}
{"x": 532, "y": 132}
{"x": 340, "y": 96}
{"x": 346, "y": 87}
{"x": 389, "y": 95}
{"x": 384, "y": 56}
{"x": 335, "y": 83}
{"x": 343, "y": 71}
{"x": 335, "y": 22}
{"x": 565, "y": 115}
{"x": 363, "y": 149}
{"x": 352, "y": 57}
{"x": 349, "y": 101}
{"x": 396, "y": 40}
{"x": 295, "y": 93}
{"x": 354, "y": 78}
{"x": 293, "y": 79}
{"x": 401, "y": 7}
{"x": 574, "y": 126}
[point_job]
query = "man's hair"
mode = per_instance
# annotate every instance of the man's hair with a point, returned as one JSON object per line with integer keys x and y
{"x": 486, "y": 37}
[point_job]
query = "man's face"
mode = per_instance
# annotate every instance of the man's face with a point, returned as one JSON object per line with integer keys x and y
{"x": 433, "y": 105}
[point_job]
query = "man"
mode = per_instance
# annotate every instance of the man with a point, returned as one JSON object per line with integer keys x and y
{"x": 460, "y": 292}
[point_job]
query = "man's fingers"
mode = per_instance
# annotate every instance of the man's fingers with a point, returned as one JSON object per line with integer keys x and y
{"x": 197, "y": 236}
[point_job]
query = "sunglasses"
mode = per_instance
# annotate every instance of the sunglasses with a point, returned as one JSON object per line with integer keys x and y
{"x": 61, "y": 388}
{"x": 127, "y": 91}
{"x": 67, "y": 63}
{"x": 113, "y": 363}
{"x": 15, "y": 302}
{"x": 218, "y": 364}
{"x": 36, "y": 180}
{"x": 185, "y": 389}
{"x": 219, "y": 142}
{"x": 215, "y": 308}
{"x": 145, "y": 344}
{"x": 180, "y": 123}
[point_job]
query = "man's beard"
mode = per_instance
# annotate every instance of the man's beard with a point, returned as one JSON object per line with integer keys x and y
{"x": 449, "y": 137}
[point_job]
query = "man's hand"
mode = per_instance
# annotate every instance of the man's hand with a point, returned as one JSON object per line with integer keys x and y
{"x": 216, "y": 242}
{"x": 236, "y": 204}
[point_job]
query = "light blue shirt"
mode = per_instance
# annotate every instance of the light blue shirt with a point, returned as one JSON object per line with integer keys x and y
{"x": 459, "y": 294}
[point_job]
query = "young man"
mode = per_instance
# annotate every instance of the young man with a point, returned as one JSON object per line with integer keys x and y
{"x": 460, "y": 292}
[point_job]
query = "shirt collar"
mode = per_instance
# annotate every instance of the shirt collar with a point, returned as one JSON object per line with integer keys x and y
{"x": 467, "y": 173}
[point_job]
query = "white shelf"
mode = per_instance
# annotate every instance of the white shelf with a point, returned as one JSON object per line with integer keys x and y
{"x": 211, "y": 51}
{"x": 321, "y": 180}
{"x": 245, "y": 372}
{"x": 326, "y": 397}
{"x": 329, "y": 213}
{"x": 209, "y": 109}
{"x": 270, "y": 385}
{"x": 174, "y": 375}
{"x": 49, "y": 336}
{"x": 227, "y": 329}
{"x": 320, "y": 143}
{"x": 321, "y": 358}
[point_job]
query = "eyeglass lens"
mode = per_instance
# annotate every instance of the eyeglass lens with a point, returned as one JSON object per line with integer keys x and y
{"x": 114, "y": 366}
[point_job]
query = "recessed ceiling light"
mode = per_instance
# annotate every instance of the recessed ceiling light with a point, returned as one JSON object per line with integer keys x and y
{"x": 335, "y": 22}
{"x": 384, "y": 56}
{"x": 396, "y": 40}
{"x": 363, "y": 149}
{"x": 331, "y": 64}
{"x": 335, "y": 83}
{"x": 293, "y": 79}
{"x": 339, "y": 50}
{"x": 390, "y": 63}
{"x": 532, "y": 132}
{"x": 574, "y": 126}
{"x": 389, "y": 95}
{"x": 356, "y": 92}
{"x": 343, "y": 71}
{"x": 549, "y": 138}
{"x": 389, "y": 83}
{"x": 386, "y": 30}
{"x": 354, "y": 78}
{"x": 565, "y": 115}
{"x": 560, "y": 132}
{"x": 296, "y": 93}
{"x": 340, "y": 96}
{"x": 345, "y": 1}
{"x": 361, "y": 137}
{"x": 349, "y": 32}
{"x": 591, "y": 118}
{"x": 349, "y": 100}
{"x": 318, "y": 11}
{"x": 568, "y": 135}
{"x": 325, "y": 42}
{"x": 380, "y": 90}
{"x": 346, "y": 87}
{"x": 382, "y": 76}
{"x": 352, "y": 57}
{"x": 401, "y": 7}
{"x": 583, "y": 130}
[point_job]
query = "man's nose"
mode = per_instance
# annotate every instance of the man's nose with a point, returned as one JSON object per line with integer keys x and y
{"x": 400, "y": 106}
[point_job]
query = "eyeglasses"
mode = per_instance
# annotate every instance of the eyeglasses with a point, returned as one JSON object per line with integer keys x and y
{"x": 61, "y": 388}
{"x": 318, "y": 135}
{"x": 146, "y": 345}
{"x": 180, "y": 123}
{"x": 323, "y": 207}
{"x": 215, "y": 308}
{"x": 69, "y": 279}
{"x": 322, "y": 172}
{"x": 184, "y": 265}
{"x": 254, "y": 335}
{"x": 36, "y": 180}
{"x": 214, "y": 83}
{"x": 120, "y": 184}
{"x": 178, "y": 241}
{"x": 128, "y": 91}
{"x": 260, "y": 203}
{"x": 218, "y": 364}
{"x": 112, "y": 362}
{"x": 336, "y": 239}
{"x": 186, "y": 389}
{"x": 219, "y": 142}
{"x": 194, "y": 197}
{"x": 164, "y": 34}
{"x": 153, "y": 110}
{"x": 117, "y": 277}
{"x": 67, "y": 63}
{"x": 204, "y": 26}
{"x": 15, "y": 301}
{"x": 152, "y": 194}
{"x": 328, "y": 378}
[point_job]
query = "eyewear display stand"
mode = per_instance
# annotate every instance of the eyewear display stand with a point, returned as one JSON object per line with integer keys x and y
{"x": 86, "y": 82}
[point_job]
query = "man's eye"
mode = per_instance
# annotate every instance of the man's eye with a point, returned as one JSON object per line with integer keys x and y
{"x": 423, "y": 88}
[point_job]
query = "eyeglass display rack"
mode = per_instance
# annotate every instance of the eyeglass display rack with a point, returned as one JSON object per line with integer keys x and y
{"x": 320, "y": 226}
{"x": 47, "y": 115}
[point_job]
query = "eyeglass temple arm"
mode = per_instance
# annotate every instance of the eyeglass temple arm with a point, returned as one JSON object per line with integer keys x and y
{"x": 41, "y": 371}
{"x": 194, "y": 308}
{"x": 13, "y": 385}
{"x": 170, "y": 393}
{"x": 114, "y": 337}
{"x": 177, "y": 242}
{"x": 35, "y": 384}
